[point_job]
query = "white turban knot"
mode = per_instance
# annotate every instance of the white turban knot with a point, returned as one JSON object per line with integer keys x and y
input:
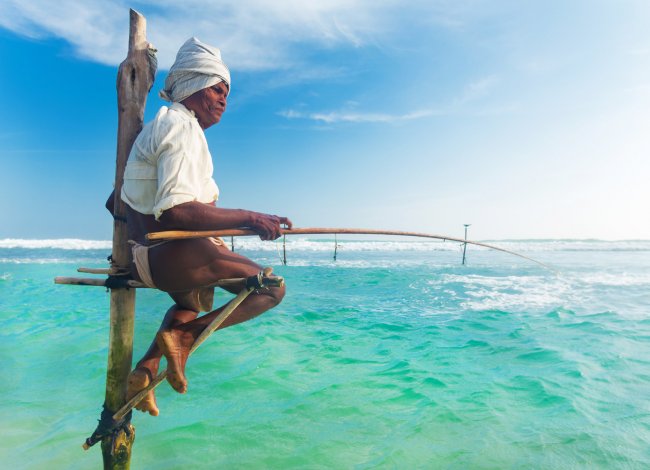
{"x": 197, "y": 66}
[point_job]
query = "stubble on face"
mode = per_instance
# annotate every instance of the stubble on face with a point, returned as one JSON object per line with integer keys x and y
{"x": 208, "y": 104}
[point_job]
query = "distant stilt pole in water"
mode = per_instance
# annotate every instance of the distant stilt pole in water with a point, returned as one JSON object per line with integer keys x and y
{"x": 284, "y": 250}
{"x": 465, "y": 244}
{"x": 336, "y": 245}
{"x": 232, "y": 243}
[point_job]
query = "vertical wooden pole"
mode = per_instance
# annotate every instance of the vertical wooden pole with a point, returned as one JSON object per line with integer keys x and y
{"x": 284, "y": 250}
{"x": 134, "y": 80}
{"x": 465, "y": 245}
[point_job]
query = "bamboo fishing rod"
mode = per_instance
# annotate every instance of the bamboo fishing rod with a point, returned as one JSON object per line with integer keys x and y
{"x": 186, "y": 234}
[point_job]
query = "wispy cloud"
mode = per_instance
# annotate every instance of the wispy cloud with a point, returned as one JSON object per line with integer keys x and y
{"x": 480, "y": 98}
{"x": 355, "y": 117}
{"x": 465, "y": 104}
{"x": 253, "y": 34}
{"x": 477, "y": 89}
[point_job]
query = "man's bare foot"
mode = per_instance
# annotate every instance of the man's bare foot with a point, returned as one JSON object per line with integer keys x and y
{"x": 138, "y": 379}
{"x": 175, "y": 346}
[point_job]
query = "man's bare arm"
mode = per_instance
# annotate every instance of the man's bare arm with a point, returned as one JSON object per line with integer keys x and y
{"x": 199, "y": 216}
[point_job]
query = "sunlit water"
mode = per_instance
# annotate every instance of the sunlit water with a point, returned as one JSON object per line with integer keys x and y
{"x": 394, "y": 356}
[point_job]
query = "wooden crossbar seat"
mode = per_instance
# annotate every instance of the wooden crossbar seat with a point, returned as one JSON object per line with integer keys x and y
{"x": 125, "y": 281}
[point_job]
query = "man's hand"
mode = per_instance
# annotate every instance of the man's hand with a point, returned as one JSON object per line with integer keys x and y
{"x": 269, "y": 227}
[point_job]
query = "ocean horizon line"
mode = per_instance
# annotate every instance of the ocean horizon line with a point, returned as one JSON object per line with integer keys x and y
{"x": 372, "y": 243}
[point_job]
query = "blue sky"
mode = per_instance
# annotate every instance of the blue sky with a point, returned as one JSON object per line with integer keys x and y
{"x": 525, "y": 119}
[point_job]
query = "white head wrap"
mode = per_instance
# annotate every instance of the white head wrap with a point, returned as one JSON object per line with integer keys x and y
{"x": 197, "y": 66}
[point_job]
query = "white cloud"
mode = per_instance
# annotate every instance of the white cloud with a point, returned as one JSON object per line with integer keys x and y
{"x": 92, "y": 28}
{"x": 253, "y": 34}
{"x": 477, "y": 89}
{"x": 346, "y": 116}
{"x": 464, "y": 104}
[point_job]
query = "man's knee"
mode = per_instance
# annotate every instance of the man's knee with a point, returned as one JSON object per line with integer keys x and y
{"x": 276, "y": 294}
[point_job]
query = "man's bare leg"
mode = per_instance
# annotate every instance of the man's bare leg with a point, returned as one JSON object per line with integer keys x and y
{"x": 176, "y": 342}
{"x": 147, "y": 368}
{"x": 187, "y": 264}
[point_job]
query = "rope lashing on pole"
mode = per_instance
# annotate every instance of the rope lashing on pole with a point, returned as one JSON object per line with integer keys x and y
{"x": 108, "y": 426}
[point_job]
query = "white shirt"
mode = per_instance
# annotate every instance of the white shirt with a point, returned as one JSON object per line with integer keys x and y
{"x": 169, "y": 164}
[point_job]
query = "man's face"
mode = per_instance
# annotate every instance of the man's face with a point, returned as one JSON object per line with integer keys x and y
{"x": 208, "y": 104}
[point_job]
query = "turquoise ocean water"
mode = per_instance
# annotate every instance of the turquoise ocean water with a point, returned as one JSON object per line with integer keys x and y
{"x": 394, "y": 356}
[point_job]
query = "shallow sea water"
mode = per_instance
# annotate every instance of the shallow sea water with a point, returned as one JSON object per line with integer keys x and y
{"x": 394, "y": 356}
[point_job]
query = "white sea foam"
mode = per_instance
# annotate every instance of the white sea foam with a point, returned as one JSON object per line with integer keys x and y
{"x": 60, "y": 243}
{"x": 540, "y": 296}
{"x": 19, "y": 260}
{"x": 572, "y": 245}
{"x": 614, "y": 279}
{"x": 523, "y": 292}
{"x": 326, "y": 245}
{"x": 509, "y": 293}
{"x": 306, "y": 244}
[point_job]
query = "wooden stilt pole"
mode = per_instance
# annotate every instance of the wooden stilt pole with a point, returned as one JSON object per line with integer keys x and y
{"x": 284, "y": 250}
{"x": 465, "y": 244}
{"x": 134, "y": 80}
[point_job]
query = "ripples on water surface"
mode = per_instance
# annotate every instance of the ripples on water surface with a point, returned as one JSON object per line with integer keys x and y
{"x": 395, "y": 356}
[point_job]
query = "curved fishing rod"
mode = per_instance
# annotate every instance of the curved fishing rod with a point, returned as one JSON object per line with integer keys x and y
{"x": 185, "y": 234}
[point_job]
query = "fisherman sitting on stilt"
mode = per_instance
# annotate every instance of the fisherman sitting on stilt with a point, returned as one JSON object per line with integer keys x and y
{"x": 168, "y": 185}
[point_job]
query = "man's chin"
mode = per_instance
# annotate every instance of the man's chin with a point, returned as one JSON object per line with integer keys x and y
{"x": 214, "y": 120}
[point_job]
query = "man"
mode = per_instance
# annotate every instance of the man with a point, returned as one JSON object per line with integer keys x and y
{"x": 168, "y": 185}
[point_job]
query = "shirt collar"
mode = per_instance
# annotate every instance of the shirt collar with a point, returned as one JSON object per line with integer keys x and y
{"x": 181, "y": 107}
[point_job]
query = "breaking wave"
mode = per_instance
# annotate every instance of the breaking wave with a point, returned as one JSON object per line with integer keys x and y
{"x": 60, "y": 243}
